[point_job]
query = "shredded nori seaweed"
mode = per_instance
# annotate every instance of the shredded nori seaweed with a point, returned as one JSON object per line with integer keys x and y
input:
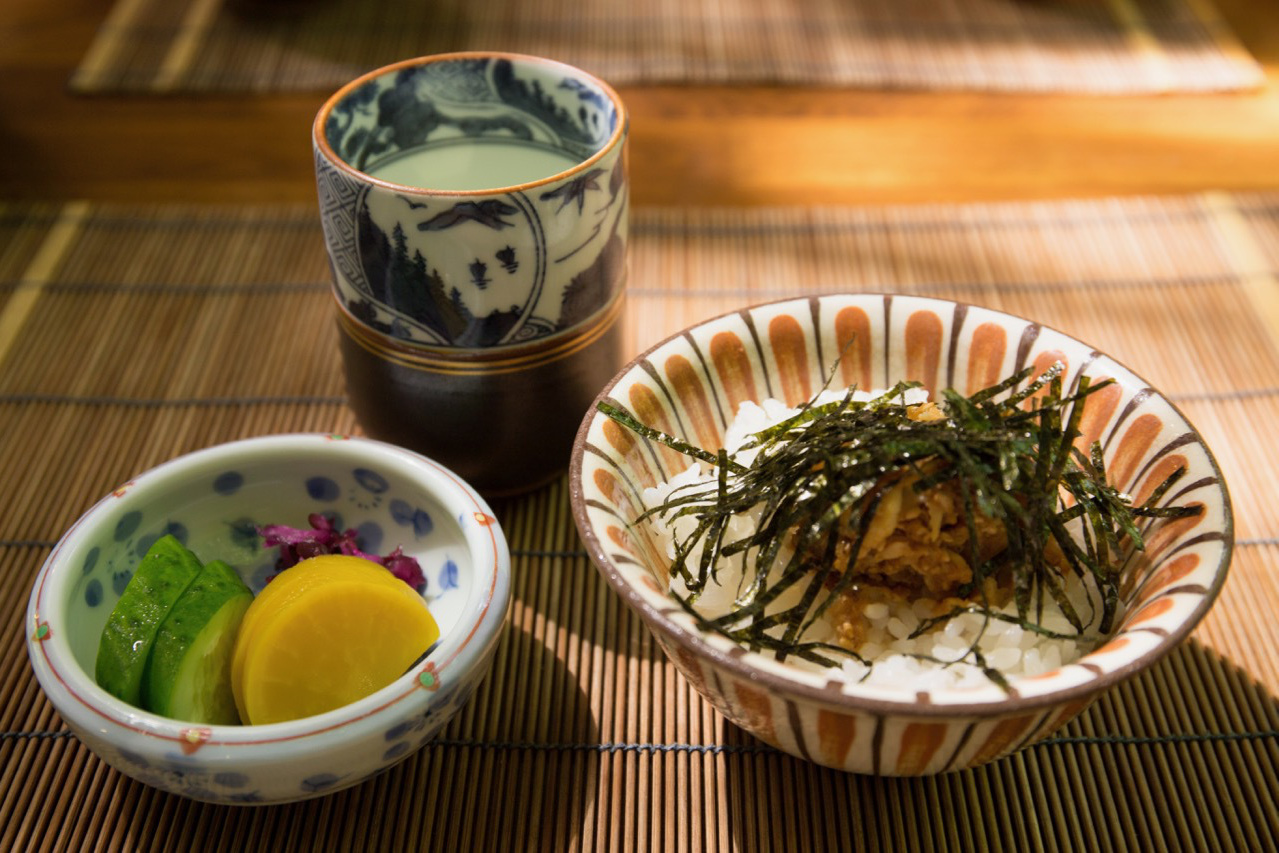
{"x": 1010, "y": 450}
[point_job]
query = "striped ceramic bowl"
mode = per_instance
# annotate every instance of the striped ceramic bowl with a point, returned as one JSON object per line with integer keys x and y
{"x": 690, "y": 386}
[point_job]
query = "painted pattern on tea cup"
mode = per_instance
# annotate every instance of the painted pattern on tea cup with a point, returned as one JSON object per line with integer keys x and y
{"x": 472, "y": 201}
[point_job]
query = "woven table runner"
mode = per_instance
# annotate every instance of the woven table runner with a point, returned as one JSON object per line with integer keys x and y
{"x": 1106, "y": 46}
{"x": 129, "y": 335}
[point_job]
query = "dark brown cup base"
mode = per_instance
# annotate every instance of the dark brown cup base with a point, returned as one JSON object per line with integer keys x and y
{"x": 504, "y": 431}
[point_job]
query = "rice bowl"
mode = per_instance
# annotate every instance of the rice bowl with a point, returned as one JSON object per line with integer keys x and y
{"x": 691, "y": 385}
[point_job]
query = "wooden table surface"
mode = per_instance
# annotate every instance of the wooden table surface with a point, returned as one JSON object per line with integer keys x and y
{"x": 689, "y": 145}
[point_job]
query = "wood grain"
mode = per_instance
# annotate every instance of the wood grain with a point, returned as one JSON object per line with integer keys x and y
{"x": 689, "y": 145}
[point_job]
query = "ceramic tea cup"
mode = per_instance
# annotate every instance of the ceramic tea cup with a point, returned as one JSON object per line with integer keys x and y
{"x": 474, "y": 208}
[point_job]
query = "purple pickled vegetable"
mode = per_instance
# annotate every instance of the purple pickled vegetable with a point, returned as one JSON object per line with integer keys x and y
{"x": 323, "y": 538}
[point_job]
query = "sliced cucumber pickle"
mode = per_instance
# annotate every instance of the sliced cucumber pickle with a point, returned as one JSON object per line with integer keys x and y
{"x": 189, "y": 674}
{"x": 125, "y": 648}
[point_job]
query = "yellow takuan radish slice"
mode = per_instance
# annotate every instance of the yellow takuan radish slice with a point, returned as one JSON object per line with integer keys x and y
{"x": 280, "y": 593}
{"x": 325, "y": 633}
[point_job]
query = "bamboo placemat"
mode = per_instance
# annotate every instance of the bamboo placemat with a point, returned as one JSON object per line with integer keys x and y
{"x": 129, "y": 335}
{"x": 1109, "y": 46}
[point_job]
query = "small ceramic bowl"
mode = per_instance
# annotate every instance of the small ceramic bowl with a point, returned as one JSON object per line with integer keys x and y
{"x": 691, "y": 384}
{"x": 212, "y": 500}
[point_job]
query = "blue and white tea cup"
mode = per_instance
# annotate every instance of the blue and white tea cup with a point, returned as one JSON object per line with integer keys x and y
{"x": 474, "y": 208}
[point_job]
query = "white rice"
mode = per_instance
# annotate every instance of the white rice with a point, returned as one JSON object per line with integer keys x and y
{"x": 1006, "y": 647}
